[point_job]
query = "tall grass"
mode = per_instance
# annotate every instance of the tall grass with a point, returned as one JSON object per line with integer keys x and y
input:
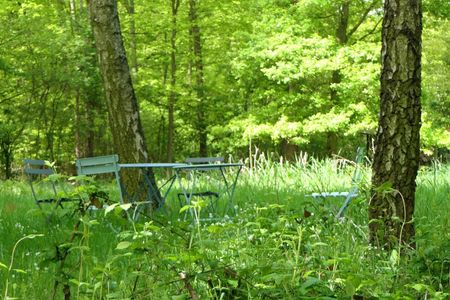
{"x": 280, "y": 245}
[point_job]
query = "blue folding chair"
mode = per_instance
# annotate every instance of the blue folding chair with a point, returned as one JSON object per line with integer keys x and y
{"x": 107, "y": 164}
{"x": 43, "y": 188}
{"x": 353, "y": 192}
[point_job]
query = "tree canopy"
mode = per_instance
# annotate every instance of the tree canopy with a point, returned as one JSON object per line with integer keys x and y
{"x": 283, "y": 76}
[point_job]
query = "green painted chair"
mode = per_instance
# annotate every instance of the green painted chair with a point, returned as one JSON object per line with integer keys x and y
{"x": 108, "y": 164}
{"x": 353, "y": 192}
{"x": 37, "y": 172}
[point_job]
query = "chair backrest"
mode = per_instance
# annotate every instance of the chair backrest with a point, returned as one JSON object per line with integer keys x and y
{"x": 204, "y": 160}
{"x": 356, "y": 178}
{"x": 38, "y": 169}
{"x": 108, "y": 164}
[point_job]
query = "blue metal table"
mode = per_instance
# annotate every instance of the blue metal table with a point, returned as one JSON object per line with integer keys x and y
{"x": 146, "y": 185}
{"x": 194, "y": 173}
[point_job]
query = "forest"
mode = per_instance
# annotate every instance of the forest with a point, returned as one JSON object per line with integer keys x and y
{"x": 230, "y": 130}
{"x": 281, "y": 76}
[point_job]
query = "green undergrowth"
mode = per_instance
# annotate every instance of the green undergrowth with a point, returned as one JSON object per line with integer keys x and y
{"x": 280, "y": 244}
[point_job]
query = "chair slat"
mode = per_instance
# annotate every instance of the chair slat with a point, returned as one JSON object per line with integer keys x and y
{"x": 39, "y": 171}
{"x": 97, "y": 169}
{"x": 101, "y": 165}
{"x": 99, "y": 160}
{"x": 34, "y": 162}
{"x": 35, "y": 169}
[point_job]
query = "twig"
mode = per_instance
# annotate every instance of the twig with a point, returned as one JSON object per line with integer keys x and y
{"x": 188, "y": 286}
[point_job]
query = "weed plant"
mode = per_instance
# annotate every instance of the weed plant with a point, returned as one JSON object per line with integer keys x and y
{"x": 279, "y": 245}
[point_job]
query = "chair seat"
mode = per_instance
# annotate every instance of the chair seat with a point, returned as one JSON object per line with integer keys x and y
{"x": 50, "y": 200}
{"x": 332, "y": 194}
{"x": 202, "y": 194}
{"x": 58, "y": 201}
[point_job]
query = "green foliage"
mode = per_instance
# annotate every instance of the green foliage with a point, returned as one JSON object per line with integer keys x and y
{"x": 276, "y": 75}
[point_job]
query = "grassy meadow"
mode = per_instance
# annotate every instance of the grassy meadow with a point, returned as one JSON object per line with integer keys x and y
{"x": 279, "y": 245}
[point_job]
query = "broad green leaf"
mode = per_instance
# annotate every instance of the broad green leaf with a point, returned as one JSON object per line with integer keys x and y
{"x": 110, "y": 208}
{"x": 123, "y": 245}
{"x": 126, "y": 206}
{"x": 184, "y": 208}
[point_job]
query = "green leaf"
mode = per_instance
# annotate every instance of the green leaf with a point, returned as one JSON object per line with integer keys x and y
{"x": 110, "y": 208}
{"x": 123, "y": 245}
{"x": 184, "y": 208}
{"x": 32, "y": 236}
{"x": 233, "y": 283}
{"x": 126, "y": 206}
{"x": 394, "y": 258}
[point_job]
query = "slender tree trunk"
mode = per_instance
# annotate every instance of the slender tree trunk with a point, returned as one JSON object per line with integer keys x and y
{"x": 396, "y": 158}
{"x": 336, "y": 78}
{"x": 343, "y": 34}
{"x": 123, "y": 110}
{"x": 173, "y": 80}
{"x": 162, "y": 132}
{"x": 129, "y": 4}
{"x": 7, "y": 153}
{"x": 8, "y": 161}
{"x": 90, "y": 126}
{"x": 199, "y": 78}
{"x": 50, "y": 131}
{"x": 78, "y": 145}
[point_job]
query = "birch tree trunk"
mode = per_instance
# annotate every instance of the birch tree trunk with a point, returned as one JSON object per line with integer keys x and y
{"x": 123, "y": 110}
{"x": 396, "y": 158}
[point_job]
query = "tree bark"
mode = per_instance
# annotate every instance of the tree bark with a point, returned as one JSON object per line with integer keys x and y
{"x": 123, "y": 110}
{"x": 397, "y": 147}
{"x": 199, "y": 78}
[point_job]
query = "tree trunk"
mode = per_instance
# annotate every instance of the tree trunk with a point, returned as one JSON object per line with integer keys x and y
{"x": 78, "y": 147}
{"x": 90, "y": 128}
{"x": 173, "y": 80}
{"x": 6, "y": 145}
{"x": 129, "y": 4}
{"x": 397, "y": 146}
{"x": 123, "y": 110}
{"x": 199, "y": 78}
{"x": 343, "y": 34}
{"x": 336, "y": 78}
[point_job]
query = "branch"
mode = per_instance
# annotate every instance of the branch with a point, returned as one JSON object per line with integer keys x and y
{"x": 188, "y": 286}
{"x": 362, "y": 19}
{"x": 11, "y": 97}
{"x": 370, "y": 32}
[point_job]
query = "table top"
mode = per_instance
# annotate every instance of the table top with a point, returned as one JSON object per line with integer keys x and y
{"x": 151, "y": 165}
{"x": 206, "y": 166}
